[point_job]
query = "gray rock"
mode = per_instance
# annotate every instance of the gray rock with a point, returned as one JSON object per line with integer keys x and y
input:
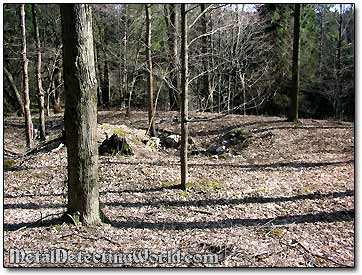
{"x": 212, "y": 148}
{"x": 171, "y": 141}
{"x": 221, "y": 149}
{"x": 225, "y": 142}
{"x": 216, "y": 149}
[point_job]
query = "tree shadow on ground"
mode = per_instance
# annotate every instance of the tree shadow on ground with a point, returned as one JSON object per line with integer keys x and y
{"x": 17, "y": 168}
{"x": 228, "y": 202}
{"x": 213, "y": 224}
{"x": 256, "y": 131}
{"x": 218, "y": 131}
{"x": 52, "y": 122}
{"x": 336, "y": 216}
{"x": 36, "y": 224}
{"x": 296, "y": 165}
{"x": 252, "y": 167}
{"x": 141, "y": 190}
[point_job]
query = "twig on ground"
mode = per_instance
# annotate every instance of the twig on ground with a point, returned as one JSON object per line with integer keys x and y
{"x": 296, "y": 242}
{"x": 91, "y": 238}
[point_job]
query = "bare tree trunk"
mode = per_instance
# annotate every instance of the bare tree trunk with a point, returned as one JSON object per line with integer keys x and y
{"x": 219, "y": 94}
{"x": 212, "y": 84}
{"x": 15, "y": 90}
{"x": 294, "y": 99}
{"x": 151, "y": 120}
{"x": 242, "y": 78}
{"x": 57, "y": 107}
{"x": 338, "y": 66}
{"x": 28, "y": 121}
{"x": 220, "y": 89}
{"x": 171, "y": 22}
{"x": 80, "y": 116}
{"x": 205, "y": 59}
{"x": 130, "y": 92}
{"x": 184, "y": 97}
{"x": 320, "y": 50}
{"x": 229, "y": 94}
{"x": 47, "y": 107}
{"x": 124, "y": 73}
{"x": 38, "y": 74}
{"x": 105, "y": 85}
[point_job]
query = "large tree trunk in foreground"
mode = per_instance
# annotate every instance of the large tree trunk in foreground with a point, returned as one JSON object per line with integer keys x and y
{"x": 184, "y": 97}
{"x": 151, "y": 114}
{"x": 80, "y": 116}
{"x": 294, "y": 98}
{"x": 38, "y": 74}
{"x": 19, "y": 100}
{"x": 97, "y": 70}
{"x": 28, "y": 121}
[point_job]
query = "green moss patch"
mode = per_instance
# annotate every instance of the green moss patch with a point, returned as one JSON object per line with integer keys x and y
{"x": 205, "y": 185}
{"x": 9, "y": 163}
{"x": 119, "y": 132}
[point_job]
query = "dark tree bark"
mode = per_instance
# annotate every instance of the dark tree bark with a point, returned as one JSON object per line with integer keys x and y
{"x": 171, "y": 23}
{"x": 19, "y": 100}
{"x": 151, "y": 114}
{"x": 28, "y": 121}
{"x": 80, "y": 117}
{"x": 97, "y": 70}
{"x": 106, "y": 91}
{"x": 184, "y": 97}
{"x": 38, "y": 75}
{"x": 294, "y": 97}
{"x": 97, "y": 66}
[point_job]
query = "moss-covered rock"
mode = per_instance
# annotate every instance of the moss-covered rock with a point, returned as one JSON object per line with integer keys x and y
{"x": 153, "y": 144}
{"x": 235, "y": 136}
{"x": 115, "y": 145}
{"x": 231, "y": 142}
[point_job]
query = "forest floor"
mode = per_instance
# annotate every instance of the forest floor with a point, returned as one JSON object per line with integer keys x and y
{"x": 287, "y": 200}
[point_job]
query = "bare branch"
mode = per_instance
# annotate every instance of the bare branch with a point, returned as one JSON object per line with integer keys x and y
{"x": 199, "y": 16}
